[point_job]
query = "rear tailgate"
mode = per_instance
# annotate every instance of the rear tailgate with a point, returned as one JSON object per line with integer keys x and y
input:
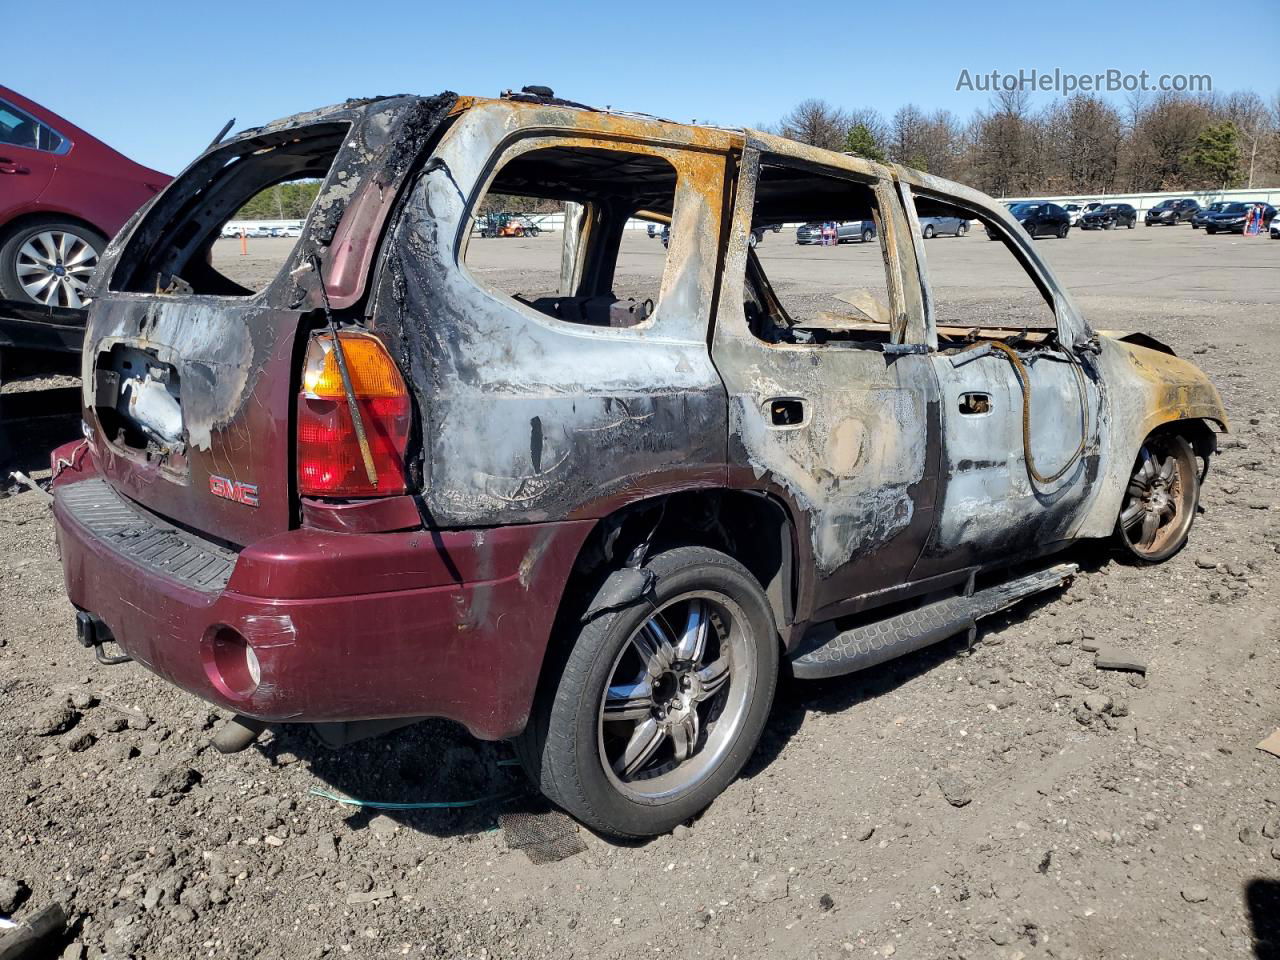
{"x": 189, "y": 393}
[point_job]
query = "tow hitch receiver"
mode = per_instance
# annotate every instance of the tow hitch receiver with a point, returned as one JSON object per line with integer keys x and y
{"x": 91, "y": 631}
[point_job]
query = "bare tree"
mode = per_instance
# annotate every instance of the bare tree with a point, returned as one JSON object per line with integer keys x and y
{"x": 908, "y": 137}
{"x": 816, "y": 122}
{"x": 1162, "y": 141}
{"x": 1247, "y": 111}
{"x": 1003, "y": 145}
{"x": 1084, "y": 134}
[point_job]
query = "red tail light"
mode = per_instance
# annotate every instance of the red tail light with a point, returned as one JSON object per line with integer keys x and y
{"x": 330, "y": 463}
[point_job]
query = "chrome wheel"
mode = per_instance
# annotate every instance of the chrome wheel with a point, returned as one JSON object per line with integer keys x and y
{"x": 54, "y": 266}
{"x": 1160, "y": 502}
{"x": 678, "y": 693}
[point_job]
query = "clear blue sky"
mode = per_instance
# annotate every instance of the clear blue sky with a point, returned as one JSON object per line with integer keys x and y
{"x": 157, "y": 80}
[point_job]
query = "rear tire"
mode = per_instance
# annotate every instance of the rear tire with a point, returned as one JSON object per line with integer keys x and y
{"x": 642, "y": 729}
{"x": 1063, "y": 231}
{"x": 928, "y": 232}
{"x": 868, "y": 236}
{"x": 962, "y": 230}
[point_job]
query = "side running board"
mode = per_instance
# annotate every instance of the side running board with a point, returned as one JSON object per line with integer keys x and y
{"x": 824, "y": 653}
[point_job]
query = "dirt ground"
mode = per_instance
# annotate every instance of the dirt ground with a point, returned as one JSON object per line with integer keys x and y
{"x": 1012, "y": 802}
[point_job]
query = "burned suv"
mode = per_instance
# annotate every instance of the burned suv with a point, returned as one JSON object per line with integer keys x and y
{"x": 596, "y": 519}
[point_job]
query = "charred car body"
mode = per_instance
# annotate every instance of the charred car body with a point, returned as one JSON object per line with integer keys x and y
{"x": 595, "y": 526}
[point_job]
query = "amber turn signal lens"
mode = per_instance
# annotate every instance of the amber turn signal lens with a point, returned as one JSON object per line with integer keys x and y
{"x": 330, "y": 461}
{"x": 373, "y": 372}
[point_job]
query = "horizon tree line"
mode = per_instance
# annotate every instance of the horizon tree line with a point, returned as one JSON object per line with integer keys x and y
{"x": 1078, "y": 145}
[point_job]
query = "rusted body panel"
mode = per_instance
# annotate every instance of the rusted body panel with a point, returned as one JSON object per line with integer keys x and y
{"x": 860, "y": 472}
{"x": 526, "y": 418}
{"x": 529, "y": 429}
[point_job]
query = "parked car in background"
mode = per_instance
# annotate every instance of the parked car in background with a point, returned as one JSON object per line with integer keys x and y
{"x": 1038, "y": 219}
{"x": 1074, "y": 211}
{"x": 1171, "y": 212}
{"x": 846, "y": 232}
{"x": 63, "y": 193}
{"x": 1201, "y": 216}
{"x": 1108, "y": 216}
{"x": 294, "y": 231}
{"x": 258, "y": 233}
{"x": 931, "y": 227}
{"x": 1231, "y": 218}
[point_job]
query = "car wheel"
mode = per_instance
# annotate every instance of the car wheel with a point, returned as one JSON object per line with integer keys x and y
{"x": 1063, "y": 231}
{"x": 962, "y": 230}
{"x": 928, "y": 232}
{"x": 50, "y": 263}
{"x": 1109, "y": 225}
{"x": 868, "y": 236}
{"x": 1210, "y": 230}
{"x": 752, "y": 240}
{"x": 1161, "y": 499}
{"x": 659, "y": 704}
{"x": 1132, "y": 224}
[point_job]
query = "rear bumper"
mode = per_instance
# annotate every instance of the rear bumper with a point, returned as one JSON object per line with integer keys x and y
{"x": 344, "y": 626}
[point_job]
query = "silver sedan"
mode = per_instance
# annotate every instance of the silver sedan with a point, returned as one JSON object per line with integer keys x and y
{"x": 931, "y": 227}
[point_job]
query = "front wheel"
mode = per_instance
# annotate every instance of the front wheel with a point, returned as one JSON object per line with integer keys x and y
{"x": 1063, "y": 230}
{"x": 658, "y": 705}
{"x": 868, "y": 236}
{"x": 928, "y": 232}
{"x": 1132, "y": 224}
{"x": 962, "y": 230}
{"x": 1160, "y": 501}
{"x": 1210, "y": 231}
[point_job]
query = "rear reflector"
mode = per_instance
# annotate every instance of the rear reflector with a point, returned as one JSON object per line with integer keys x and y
{"x": 330, "y": 463}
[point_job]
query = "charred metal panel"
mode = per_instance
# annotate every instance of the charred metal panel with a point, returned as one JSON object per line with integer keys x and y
{"x": 990, "y": 509}
{"x": 860, "y": 469}
{"x": 234, "y": 362}
{"x": 234, "y": 355}
{"x": 526, "y": 417}
{"x": 1146, "y": 389}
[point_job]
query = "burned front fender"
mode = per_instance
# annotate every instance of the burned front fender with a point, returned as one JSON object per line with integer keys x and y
{"x": 1148, "y": 387}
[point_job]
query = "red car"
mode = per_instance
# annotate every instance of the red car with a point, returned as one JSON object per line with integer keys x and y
{"x": 62, "y": 194}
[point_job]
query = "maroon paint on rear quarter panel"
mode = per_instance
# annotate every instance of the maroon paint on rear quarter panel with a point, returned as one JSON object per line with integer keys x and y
{"x": 347, "y": 626}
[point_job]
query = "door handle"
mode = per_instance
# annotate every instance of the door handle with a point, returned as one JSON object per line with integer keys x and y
{"x": 975, "y": 404}
{"x": 9, "y": 166}
{"x": 785, "y": 411}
